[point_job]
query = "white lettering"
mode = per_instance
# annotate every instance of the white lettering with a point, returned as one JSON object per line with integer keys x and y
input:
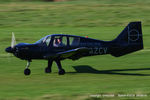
{"x": 96, "y": 51}
{"x": 99, "y": 51}
{"x": 105, "y": 50}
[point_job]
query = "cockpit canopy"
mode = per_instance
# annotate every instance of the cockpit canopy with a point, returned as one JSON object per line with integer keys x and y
{"x": 60, "y": 40}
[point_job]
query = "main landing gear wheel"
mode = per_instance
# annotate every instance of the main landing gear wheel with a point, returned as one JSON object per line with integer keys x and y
{"x": 61, "y": 72}
{"x": 47, "y": 70}
{"x": 27, "y": 71}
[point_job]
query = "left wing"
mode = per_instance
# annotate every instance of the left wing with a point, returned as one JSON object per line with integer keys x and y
{"x": 73, "y": 54}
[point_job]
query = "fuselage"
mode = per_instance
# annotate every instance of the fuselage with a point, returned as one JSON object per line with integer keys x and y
{"x": 46, "y": 46}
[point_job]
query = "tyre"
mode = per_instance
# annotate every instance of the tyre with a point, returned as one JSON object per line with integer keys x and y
{"x": 61, "y": 72}
{"x": 47, "y": 70}
{"x": 27, "y": 71}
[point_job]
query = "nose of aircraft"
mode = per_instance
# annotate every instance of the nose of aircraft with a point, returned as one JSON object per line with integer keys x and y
{"x": 9, "y": 50}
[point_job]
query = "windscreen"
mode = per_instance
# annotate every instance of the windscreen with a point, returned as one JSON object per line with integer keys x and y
{"x": 46, "y": 40}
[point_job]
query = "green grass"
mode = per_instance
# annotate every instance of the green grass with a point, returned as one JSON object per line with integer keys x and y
{"x": 71, "y": 14}
{"x": 103, "y": 20}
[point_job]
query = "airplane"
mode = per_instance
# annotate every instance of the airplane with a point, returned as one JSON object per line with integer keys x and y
{"x": 57, "y": 47}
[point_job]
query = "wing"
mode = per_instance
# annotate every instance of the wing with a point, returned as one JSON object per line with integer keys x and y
{"x": 73, "y": 54}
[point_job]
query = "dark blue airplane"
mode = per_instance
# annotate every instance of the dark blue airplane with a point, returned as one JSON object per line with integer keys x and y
{"x": 58, "y": 47}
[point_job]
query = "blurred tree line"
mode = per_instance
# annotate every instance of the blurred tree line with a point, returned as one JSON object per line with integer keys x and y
{"x": 30, "y": 0}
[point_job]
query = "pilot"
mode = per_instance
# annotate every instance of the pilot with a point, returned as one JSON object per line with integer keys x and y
{"x": 58, "y": 42}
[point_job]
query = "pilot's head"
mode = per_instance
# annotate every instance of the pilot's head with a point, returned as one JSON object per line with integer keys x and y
{"x": 57, "y": 41}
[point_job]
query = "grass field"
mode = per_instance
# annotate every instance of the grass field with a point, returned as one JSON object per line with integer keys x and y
{"x": 104, "y": 20}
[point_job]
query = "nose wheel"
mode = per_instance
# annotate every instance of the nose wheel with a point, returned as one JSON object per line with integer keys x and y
{"x": 27, "y": 70}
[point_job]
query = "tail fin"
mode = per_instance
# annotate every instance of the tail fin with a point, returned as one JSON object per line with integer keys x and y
{"x": 129, "y": 40}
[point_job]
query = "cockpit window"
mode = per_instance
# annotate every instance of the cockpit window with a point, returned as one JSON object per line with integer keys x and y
{"x": 60, "y": 41}
{"x": 74, "y": 41}
{"x": 48, "y": 39}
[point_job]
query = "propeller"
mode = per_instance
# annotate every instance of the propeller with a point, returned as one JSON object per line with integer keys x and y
{"x": 13, "y": 41}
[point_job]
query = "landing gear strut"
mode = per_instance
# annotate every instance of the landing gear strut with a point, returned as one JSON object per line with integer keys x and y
{"x": 27, "y": 70}
{"x": 61, "y": 70}
{"x": 50, "y": 62}
{"x": 48, "y": 69}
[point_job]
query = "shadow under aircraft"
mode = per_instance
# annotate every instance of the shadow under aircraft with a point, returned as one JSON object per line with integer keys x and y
{"x": 89, "y": 69}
